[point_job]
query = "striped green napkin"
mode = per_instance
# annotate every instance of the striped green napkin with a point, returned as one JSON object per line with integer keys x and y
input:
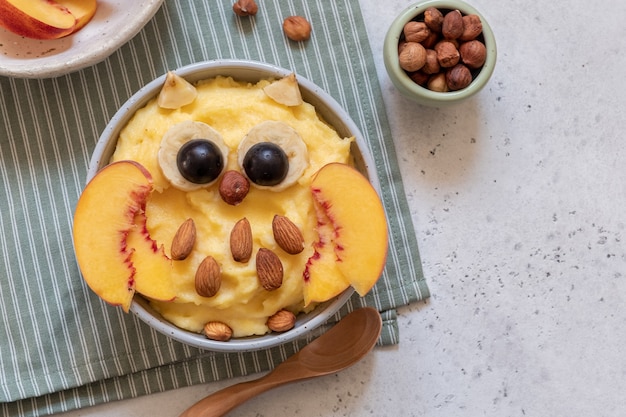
{"x": 62, "y": 348}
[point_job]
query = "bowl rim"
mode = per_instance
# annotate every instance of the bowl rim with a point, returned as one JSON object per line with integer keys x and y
{"x": 405, "y": 84}
{"x": 252, "y": 71}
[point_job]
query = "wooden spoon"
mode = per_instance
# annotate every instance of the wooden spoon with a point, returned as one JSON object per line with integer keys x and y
{"x": 342, "y": 346}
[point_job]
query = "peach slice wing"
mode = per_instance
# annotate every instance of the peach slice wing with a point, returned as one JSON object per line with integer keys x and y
{"x": 359, "y": 223}
{"x": 322, "y": 277}
{"x": 153, "y": 269}
{"x": 114, "y": 251}
{"x": 104, "y": 215}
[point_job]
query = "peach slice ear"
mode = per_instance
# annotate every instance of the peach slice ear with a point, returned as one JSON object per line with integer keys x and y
{"x": 359, "y": 226}
{"x": 108, "y": 219}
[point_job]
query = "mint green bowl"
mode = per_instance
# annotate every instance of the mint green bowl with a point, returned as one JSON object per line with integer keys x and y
{"x": 414, "y": 91}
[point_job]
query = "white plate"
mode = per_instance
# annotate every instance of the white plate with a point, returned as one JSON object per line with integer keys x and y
{"x": 114, "y": 24}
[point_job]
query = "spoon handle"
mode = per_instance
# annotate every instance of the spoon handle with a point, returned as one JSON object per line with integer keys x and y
{"x": 342, "y": 346}
{"x": 221, "y": 402}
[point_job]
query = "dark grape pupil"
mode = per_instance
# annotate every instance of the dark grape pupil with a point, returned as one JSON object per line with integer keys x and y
{"x": 200, "y": 161}
{"x": 266, "y": 164}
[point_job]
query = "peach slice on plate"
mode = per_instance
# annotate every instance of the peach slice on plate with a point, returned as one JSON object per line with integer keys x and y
{"x": 353, "y": 237}
{"x": 83, "y": 11}
{"x": 46, "y": 19}
{"x": 113, "y": 248}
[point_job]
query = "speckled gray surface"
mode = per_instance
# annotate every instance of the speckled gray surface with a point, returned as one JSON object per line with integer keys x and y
{"x": 518, "y": 200}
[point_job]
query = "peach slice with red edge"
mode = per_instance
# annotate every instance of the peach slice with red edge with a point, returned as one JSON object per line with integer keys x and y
{"x": 114, "y": 252}
{"x": 83, "y": 11}
{"x": 358, "y": 233}
{"x": 322, "y": 277}
{"x": 46, "y": 19}
{"x": 152, "y": 265}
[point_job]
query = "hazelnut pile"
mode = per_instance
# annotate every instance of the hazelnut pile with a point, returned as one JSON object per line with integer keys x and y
{"x": 442, "y": 50}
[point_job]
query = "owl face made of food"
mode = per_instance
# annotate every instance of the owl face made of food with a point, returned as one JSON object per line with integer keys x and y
{"x": 231, "y": 211}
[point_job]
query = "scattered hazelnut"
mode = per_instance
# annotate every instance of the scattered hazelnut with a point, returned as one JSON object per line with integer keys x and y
{"x": 416, "y": 31}
{"x": 297, "y": 28}
{"x": 412, "y": 57}
{"x": 472, "y": 27}
{"x": 473, "y": 53}
{"x": 432, "y": 63}
{"x": 447, "y": 54}
{"x": 245, "y": 8}
{"x": 458, "y": 77}
{"x": 452, "y": 26}
{"x": 433, "y": 18}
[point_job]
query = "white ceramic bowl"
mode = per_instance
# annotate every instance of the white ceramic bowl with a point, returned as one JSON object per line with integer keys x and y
{"x": 250, "y": 71}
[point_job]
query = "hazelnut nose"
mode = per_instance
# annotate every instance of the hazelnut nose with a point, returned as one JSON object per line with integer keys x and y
{"x": 233, "y": 187}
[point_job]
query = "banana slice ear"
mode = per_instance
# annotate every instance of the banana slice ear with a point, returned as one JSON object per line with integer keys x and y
{"x": 285, "y": 137}
{"x": 176, "y": 92}
{"x": 174, "y": 139}
{"x": 285, "y": 91}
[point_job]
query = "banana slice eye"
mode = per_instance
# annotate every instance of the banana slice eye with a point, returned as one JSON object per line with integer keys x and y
{"x": 273, "y": 155}
{"x": 192, "y": 155}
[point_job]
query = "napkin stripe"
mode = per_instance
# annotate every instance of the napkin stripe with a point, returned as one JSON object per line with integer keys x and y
{"x": 18, "y": 239}
{"x": 11, "y": 368}
{"x": 70, "y": 354}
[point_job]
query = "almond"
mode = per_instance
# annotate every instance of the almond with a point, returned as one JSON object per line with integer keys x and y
{"x": 282, "y": 321}
{"x": 183, "y": 241}
{"x": 269, "y": 269}
{"x": 216, "y": 330}
{"x": 208, "y": 277}
{"x": 287, "y": 235}
{"x": 241, "y": 241}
